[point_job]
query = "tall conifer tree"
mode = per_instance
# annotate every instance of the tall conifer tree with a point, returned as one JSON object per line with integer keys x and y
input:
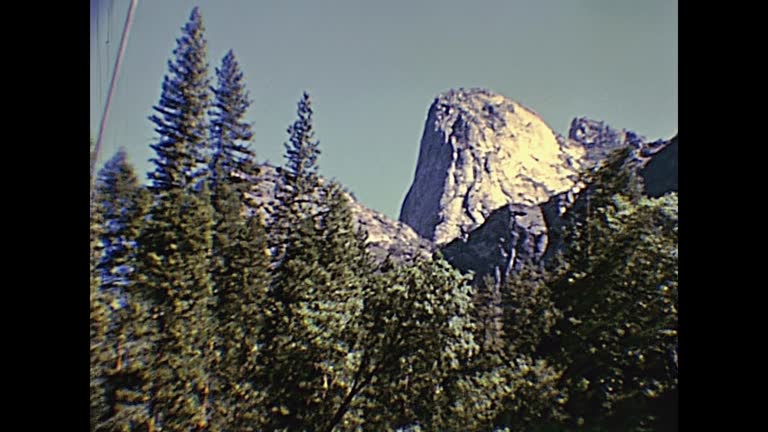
{"x": 122, "y": 205}
{"x": 299, "y": 180}
{"x": 181, "y": 155}
{"x": 175, "y": 272}
{"x": 240, "y": 274}
{"x": 297, "y": 272}
{"x": 239, "y": 266}
{"x": 230, "y": 133}
{"x": 99, "y": 327}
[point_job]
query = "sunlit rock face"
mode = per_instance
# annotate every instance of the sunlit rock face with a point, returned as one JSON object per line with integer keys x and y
{"x": 479, "y": 152}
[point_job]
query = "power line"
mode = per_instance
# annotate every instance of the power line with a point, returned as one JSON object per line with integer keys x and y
{"x": 105, "y": 116}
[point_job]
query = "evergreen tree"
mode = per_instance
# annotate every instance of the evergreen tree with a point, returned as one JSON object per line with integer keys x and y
{"x": 181, "y": 112}
{"x": 230, "y": 133}
{"x": 335, "y": 310}
{"x": 175, "y": 272}
{"x": 311, "y": 300}
{"x": 617, "y": 339}
{"x": 288, "y": 353}
{"x": 314, "y": 305}
{"x": 121, "y": 205}
{"x": 531, "y": 394}
{"x": 241, "y": 278}
{"x": 240, "y": 264}
{"x": 99, "y": 326}
{"x": 302, "y": 151}
{"x": 299, "y": 180}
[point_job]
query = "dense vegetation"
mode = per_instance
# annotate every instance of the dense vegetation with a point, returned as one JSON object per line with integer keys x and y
{"x": 207, "y": 316}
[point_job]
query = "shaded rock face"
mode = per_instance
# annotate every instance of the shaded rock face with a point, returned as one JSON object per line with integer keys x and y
{"x": 510, "y": 236}
{"x": 481, "y": 151}
{"x": 660, "y": 172}
{"x": 386, "y": 237}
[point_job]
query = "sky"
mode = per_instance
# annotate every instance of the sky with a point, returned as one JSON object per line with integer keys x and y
{"x": 374, "y": 67}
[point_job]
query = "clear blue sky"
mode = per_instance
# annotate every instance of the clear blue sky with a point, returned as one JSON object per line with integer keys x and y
{"x": 373, "y": 67}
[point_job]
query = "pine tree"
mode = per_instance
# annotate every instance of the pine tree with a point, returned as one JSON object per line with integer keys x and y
{"x": 336, "y": 309}
{"x": 300, "y": 182}
{"x": 181, "y": 112}
{"x": 241, "y": 279}
{"x": 239, "y": 265}
{"x": 296, "y": 238}
{"x": 302, "y": 151}
{"x": 230, "y": 133}
{"x": 315, "y": 303}
{"x": 175, "y": 272}
{"x": 122, "y": 205}
{"x": 288, "y": 353}
{"x": 99, "y": 326}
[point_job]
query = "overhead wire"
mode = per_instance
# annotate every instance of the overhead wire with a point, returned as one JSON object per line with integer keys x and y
{"x": 112, "y": 85}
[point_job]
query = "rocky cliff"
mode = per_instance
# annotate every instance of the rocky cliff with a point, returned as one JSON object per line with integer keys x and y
{"x": 660, "y": 172}
{"x": 479, "y": 152}
{"x": 493, "y": 183}
{"x": 510, "y": 236}
{"x": 493, "y": 180}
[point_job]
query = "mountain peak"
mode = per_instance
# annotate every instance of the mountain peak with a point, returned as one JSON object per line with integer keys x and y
{"x": 480, "y": 151}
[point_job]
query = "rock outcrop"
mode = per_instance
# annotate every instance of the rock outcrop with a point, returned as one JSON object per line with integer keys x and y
{"x": 493, "y": 181}
{"x": 599, "y": 140}
{"x": 660, "y": 172}
{"x": 481, "y": 151}
{"x": 510, "y": 236}
{"x": 386, "y": 237}
{"x": 656, "y": 162}
{"x": 493, "y": 184}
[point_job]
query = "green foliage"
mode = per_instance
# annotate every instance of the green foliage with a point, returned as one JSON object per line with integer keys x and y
{"x": 180, "y": 152}
{"x": 617, "y": 289}
{"x": 99, "y": 324}
{"x": 313, "y": 310}
{"x": 518, "y": 388}
{"x": 239, "y": 270}
{"x": 417, "y": 334}
{"x": 239, "y": 265}
{"x": 120, "y": 206}
{"x": 298, "y": 193}
{"x": 230, "y": 133}
{"x": 301, "y": 152}
{"x": 203, "y": 317}
{"x": 175, "y": 272}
